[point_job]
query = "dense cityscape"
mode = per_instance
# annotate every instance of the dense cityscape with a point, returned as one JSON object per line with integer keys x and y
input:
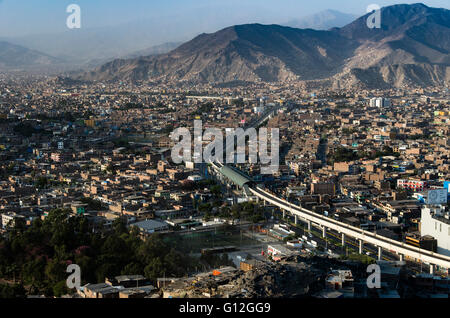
{"x": 100, "y": 156}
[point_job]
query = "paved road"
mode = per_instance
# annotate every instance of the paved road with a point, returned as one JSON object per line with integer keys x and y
{"x": 352, "y": 244}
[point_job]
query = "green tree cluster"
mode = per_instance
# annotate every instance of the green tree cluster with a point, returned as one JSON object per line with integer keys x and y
{"x": 38, "y": 256}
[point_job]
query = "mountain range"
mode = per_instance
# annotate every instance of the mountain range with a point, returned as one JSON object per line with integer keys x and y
{"x": 411, "y": 48}
{"x": 94, "y": 45}
{"x": 14, "y": 56}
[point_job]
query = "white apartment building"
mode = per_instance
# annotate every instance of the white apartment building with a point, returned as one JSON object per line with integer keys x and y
{"x": 8, "y": 219}
{"x": 379, "y": 102}
{"x": 435, "y": 221}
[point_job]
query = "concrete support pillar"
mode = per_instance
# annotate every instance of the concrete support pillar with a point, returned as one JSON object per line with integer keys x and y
{"x": 361, "y": 243}
{"x": 284, "y": 214}
{"x": 295, "y": 219}
{"x": 380, "y": 253}
{"x": 401, "y": 257}
{"x": 343, "y": 240}
{"x": 324, "y": 232}
{"x": 309, "y": 225}
{"x": 431, "y": 269}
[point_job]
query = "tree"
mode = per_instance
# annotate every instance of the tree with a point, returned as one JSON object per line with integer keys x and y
{"x": 87, "y": 266}
{"x": 114, "y": 246}
{"x": 344, "y": 155}
{"x": 204, "y": 207}
{"x": 176, "y": 264}
{"x": 41, "y": 182}
{"x": 12, "y": 291}
{"x": 92, "y": 204}
{"x": 110, "y": 168}
{"x": 38, "y": 256}
{"x": 236, "y": 211}
{"x": 55, "y": 270}
{"x": 60, "y": 289}
{"x": 33, "y": 272}
{"x": 106, "y": 268}
{"x": 119, "y": 226}
{"x": 216, "y": 190}
{"x": 133, "y": 268}
{"x": 154, "y": 269}
{"x": 19, "y": 225}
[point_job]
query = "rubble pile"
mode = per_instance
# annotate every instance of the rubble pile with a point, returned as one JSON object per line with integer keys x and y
{"x": 278, "y": 280}
{"x": 267, "y": 280}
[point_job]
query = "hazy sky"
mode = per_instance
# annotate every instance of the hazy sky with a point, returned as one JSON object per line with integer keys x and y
{"x": 24, "y": 17}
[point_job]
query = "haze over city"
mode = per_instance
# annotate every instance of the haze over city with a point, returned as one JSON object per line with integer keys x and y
{"x": 27, "y": 17}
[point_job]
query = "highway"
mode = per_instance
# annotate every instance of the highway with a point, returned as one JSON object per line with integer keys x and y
{"x": 351, "y": 231}
{"x": 349, "y": 242}
{"x": 362, "y": 236}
